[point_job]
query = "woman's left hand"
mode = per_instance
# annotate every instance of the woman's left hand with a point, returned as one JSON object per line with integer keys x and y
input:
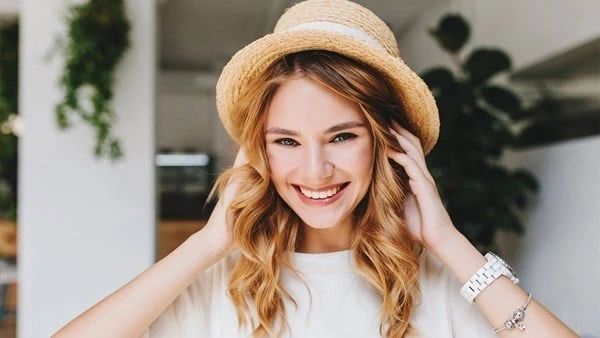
{"x": 427, "y": 218}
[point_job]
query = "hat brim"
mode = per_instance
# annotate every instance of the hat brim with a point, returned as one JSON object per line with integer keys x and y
{"x": 249, "y": 62}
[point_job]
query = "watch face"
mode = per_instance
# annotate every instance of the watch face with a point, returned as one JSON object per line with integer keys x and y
{"x": 505, "y": 264}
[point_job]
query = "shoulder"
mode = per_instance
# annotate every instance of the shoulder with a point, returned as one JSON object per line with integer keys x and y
{"x": 441, "y": 311}
{"x": 191, "y": 313}
{"x": 210, "y": 285}
{"x": 433, "y": 303}
{"x": 433, "y": 275}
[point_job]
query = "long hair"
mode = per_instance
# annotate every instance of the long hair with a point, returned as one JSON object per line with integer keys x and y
{"x": 266, "y": 230}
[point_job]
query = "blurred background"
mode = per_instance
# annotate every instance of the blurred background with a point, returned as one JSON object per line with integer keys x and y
{"x": 110, "y": 139}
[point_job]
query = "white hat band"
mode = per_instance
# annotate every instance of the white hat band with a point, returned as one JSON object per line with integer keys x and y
{"x": 338, "y": 28}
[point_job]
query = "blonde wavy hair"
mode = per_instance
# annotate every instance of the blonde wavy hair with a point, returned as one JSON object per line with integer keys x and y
{"x": 265, "y": 229}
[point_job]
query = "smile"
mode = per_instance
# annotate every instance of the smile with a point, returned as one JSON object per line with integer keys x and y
{"x": 321, "y": 198}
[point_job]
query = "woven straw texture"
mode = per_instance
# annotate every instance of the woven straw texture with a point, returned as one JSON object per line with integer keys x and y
{"x": 252, "y": 60}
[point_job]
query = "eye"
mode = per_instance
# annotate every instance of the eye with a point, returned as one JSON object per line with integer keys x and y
{"x": 344, "y": 137}
{"x": 288, "y": 142}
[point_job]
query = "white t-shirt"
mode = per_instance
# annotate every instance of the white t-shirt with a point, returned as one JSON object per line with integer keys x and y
{"x": 343, "y": 304}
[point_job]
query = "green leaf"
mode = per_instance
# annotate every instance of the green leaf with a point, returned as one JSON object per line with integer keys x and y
{"x": 504, "y": 100}
{"x": 484, "y": 63}
{"x": 526, "y": 179}
{"x": 450, "y": 101}
{"x": 438, "y": 77}
{"x": 481, "y": 195}
{"x": 521, "y": 201}
{"x": 451, "y": 33}
{"x": 508, "y": 221}
{"x": 97, "y": 39}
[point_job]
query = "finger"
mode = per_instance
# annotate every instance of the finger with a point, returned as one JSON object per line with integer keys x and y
{"x": 412, "y": 214}
{"x": 413, "y": 151}
{"x": 408, "y": 146}
{"x": 405, "y": 132}
{"x": 425, "y": 192}
{"x": 410, "y": 166}
{"x": 415, "y": 144}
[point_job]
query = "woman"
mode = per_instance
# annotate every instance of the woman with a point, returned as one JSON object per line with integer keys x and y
{"x": 329, "y": 223}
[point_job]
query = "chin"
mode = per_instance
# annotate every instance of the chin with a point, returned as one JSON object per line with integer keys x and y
{"x": 319, "y": 225}
{"x": 321, "y": 222}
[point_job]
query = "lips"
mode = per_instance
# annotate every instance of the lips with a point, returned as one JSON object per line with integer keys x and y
{"x": 321, "y": 201}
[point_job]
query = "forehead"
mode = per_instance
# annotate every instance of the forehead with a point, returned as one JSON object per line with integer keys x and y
{"x": 302, "y": 104}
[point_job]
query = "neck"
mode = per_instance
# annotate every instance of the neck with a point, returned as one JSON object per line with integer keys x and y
{"x": 314, "y": 240}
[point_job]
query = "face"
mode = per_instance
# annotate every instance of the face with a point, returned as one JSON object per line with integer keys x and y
{"x": 320, "y": 152}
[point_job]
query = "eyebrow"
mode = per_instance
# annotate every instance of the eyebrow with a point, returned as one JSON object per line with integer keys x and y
{"x": 337, "y": 127}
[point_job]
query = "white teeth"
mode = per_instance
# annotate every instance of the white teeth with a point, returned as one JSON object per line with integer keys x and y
{"x": 321, "y": 194}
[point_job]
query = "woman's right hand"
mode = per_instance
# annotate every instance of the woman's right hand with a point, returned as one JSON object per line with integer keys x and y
{"x": 220, "y": 223}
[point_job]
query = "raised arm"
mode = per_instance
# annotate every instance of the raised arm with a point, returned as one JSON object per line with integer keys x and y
{"x": 500, "y": 299}
{"x": 430, "y": 224}
{"x": 128, "y": 311}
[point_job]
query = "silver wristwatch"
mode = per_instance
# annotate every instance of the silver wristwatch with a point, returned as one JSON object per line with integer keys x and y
{"x": 492, "y": 270}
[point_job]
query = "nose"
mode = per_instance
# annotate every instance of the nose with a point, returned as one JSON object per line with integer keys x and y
{"x": 317, "y": 163}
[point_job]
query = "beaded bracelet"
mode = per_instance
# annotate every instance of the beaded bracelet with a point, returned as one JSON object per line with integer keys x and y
{"x": 516, "y": 319}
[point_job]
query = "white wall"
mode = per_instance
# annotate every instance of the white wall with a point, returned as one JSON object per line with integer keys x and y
{"x": 528, "y": 30}
{"x": 187, "y": 116}
{"x": 557, "y": 258}
{"x": 563, "y": 223}
{"x": 86, "y": 226}
{"x": 9, "y": 7}
{"x": 185, "y": 119}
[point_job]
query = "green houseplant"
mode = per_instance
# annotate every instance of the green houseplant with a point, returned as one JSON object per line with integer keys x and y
{"x": 9, "y": 107}
{"x": 481, "y": 195}
{"x": 98, "y": 36}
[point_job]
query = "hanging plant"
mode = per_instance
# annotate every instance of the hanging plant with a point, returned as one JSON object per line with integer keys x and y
{"x": 98, "y": 36}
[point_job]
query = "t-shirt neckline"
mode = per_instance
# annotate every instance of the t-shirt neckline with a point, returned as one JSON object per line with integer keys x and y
{"x": 333, "y": 256}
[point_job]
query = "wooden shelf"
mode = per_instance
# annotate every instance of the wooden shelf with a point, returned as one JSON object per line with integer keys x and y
{"x": 171, "y": 233}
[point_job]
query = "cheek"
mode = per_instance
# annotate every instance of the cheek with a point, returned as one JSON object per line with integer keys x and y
{"x": 358, "y": 160}
{"x": 280, "y": 164}
{"x": 366, "y": 161}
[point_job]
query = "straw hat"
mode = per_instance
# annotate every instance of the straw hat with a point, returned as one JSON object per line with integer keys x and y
{"x": 339, "y": 26}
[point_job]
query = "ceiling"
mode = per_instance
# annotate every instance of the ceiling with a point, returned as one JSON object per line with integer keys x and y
{"x": 201, "y": 35}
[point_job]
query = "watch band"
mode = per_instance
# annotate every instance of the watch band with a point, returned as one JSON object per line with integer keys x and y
{"x": 484, "y": 277}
